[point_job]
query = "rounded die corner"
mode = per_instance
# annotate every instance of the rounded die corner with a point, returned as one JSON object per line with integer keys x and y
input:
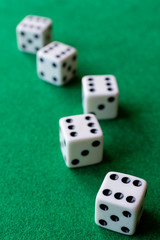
{"x": 75, "y": 51}
{"x": 84, "y": 78}
{"x": 112, "y": 76}
{"x": 29, "y": 16}
{"x": 61, "y": 120}
{"x": 18, "y": 28}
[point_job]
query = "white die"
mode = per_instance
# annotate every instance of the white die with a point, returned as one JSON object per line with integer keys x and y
{"x": 33, "y": 32}
{"x": 81, "y": 140}
{"x": 57, "y": 63}
{"x": 120, "y": 202}
{"x": 100, "y": 96}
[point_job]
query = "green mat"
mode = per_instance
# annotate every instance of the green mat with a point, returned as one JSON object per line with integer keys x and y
{"x": 40, "y": 197}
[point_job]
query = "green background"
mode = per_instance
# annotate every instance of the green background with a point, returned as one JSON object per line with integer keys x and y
{"x": 40, "y": 197}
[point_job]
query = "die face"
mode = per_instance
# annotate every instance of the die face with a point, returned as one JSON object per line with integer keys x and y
{"x": 85, "y": 153}
{"x": 33, "y": 33}
{"x": 35, "y": 24}
{"x": 47, "y": 69}
{"x": 28, "y": 41}
{"x": 100, "y": 85}
{"x": 83, "y": 139}
{"x": 61, "y": 63}
{"x": 115, "y": 218}
{"x": 84, "y": 127}
{"x": 127, "y": 185}
{"x": 124, "y": 196}
{"x": 100, "y": 96}
{"x": 103, "y": 107}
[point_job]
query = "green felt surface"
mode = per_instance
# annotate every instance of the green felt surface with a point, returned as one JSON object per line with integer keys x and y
{"x": 40, "y": 197}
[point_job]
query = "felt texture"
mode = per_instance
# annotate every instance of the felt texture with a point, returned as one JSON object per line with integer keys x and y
{"x": 40, "y": 197}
